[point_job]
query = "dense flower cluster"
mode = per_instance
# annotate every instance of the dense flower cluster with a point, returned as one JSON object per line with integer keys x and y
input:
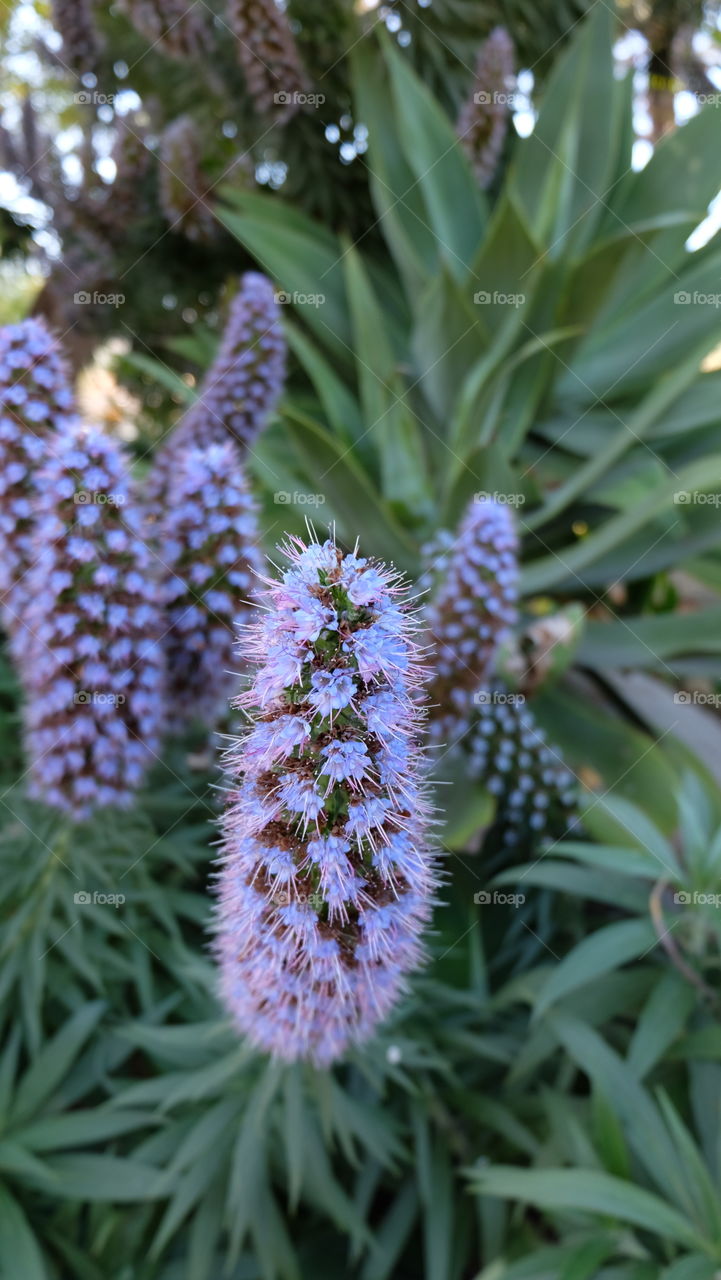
{"x": 472, "y": 605}
{"x": 267, "y": 52}
{"x": 35, "y": 402}
{"x": 180, "y": 29}
{"x": 327, "y": 879}
{"x": 91, "y": 662}
{"x": 183, "y": 189}
{"x": 535, "y": 791}
{"x": 209, "y": 548}
{"x": 244, "y": 382}
{"x": 128, "y": 196}
{"x": 483, "y": 121}
{"x": 74, "y": 21}
{"x": 242, "y": 386}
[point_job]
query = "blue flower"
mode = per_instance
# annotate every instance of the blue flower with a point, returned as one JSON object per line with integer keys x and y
{"x": 345, "y": 761}
{"x": 331, "y": 691}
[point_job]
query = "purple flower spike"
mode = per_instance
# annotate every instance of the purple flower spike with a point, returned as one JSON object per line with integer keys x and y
{"x": 242, "y": 386}
{"x": 472, "y": 607}
{"x": 268, "y": 54}
{"x": 245, "y": 380}
{"x": 208, "y": 546}
{"x": 75, "y": 22}
{"x": 176, "y": 28}
{"x": 327, "y": 878}
{"x": 35, "y": 402}
{"x": 484, "y": 118}
{"x": 91, "y": 661}
{"x": 183, "y": 189}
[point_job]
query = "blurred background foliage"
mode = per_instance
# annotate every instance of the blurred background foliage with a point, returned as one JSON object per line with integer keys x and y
{"x": 545, "y": 1104}
{"x": 69, "y": 109}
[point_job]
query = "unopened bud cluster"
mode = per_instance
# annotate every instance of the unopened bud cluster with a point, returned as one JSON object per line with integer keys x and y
{"x": 508, "y": 753}
{"x": 473, "y": 581}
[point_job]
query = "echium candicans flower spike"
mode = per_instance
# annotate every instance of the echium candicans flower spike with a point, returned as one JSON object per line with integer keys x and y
{"x": 472, "y": 606}
{"x": 483, "y": 121}
{"x": 92, "y": 663}
{"x": 245, "y": 380}
{"x": 36, "y": 402}
{"x": 212, "y": 564}
{"x": 327, "y": 880}
{"x": 242, "y": 386}
{"x": 268, "y": 54}
{"x": 74, "y": 21}
{"x": 175, "y": 27}
{"x": 535, "y": 791}
{"x": 182, "y": 187}
{"x": 128, "y": 196}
